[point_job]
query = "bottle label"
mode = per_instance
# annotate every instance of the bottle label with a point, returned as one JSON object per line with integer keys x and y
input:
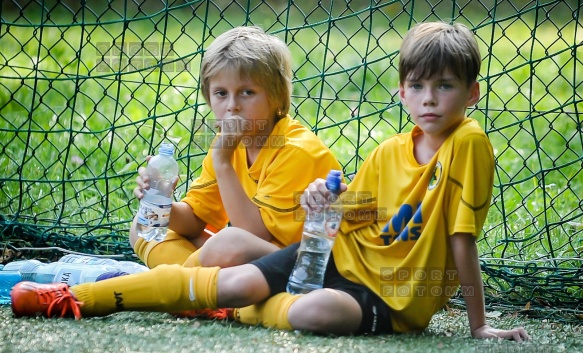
{"x": 81, "y": 260}
{"x": 70, "y": 276}
{"x": 153, "y": 215}
{"x": 332, "y": 226}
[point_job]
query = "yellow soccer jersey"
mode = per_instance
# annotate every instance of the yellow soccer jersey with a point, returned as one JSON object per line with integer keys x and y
{"x": 399, "y": 214}
{"x": 292, "y": 158}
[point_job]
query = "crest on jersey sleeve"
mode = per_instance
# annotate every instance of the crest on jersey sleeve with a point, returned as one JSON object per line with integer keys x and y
{"x": 436, "y": 177}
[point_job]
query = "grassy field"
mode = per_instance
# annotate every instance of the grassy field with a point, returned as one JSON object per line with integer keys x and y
{"x": 157, "y": 333}
{"x": 72, "y": 134}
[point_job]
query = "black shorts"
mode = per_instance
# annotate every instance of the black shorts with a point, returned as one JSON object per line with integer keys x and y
{"x": 277, "y": 267}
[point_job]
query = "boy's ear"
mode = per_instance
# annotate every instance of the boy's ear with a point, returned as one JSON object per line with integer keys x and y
{"x": 402, "y": 94}
{"x": 474, "y": 94}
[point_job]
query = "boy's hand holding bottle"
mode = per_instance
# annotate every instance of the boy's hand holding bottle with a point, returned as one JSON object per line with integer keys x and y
{"x": 155, "y": 189}
{"x": 317, "y": 196}
{"x": 323, "y": 217}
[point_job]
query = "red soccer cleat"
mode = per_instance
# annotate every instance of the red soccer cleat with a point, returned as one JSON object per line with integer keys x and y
{"x": 34, "y": 299}
{"x": 213, "y": 314}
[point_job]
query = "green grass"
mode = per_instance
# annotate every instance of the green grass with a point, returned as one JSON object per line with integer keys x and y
{"x": 154, "y": 332}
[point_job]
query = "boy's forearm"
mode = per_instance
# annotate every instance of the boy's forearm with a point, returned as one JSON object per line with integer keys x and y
{"x": 242, "y": 212}
{"x": 468, "y": 266}
{"x": 475, "y": 306}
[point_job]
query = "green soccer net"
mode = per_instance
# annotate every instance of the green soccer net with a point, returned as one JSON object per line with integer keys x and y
{"x": 89, "y": 88}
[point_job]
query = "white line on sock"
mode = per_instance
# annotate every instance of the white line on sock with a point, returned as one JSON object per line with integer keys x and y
{"x": 191, "y": 295}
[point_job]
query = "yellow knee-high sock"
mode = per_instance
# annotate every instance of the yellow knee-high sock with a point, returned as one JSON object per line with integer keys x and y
{"x": 167, "y": 288}
{"x": 174, "y": 249}
{"x": 271, "y": 312}
{"x": 193, "y": 260}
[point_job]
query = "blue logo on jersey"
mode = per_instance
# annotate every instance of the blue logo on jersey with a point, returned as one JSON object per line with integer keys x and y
{"x": 405, "y": 225}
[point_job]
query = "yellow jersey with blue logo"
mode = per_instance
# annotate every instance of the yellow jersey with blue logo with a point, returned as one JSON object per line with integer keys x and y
{"x": 399, "y": 215}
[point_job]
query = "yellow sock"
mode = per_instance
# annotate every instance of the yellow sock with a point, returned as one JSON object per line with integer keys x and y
{"x": 271, "y": 312}
{"x": 174, "y": 249}
{"x": 193, "y": 260}
{"x": 167, "y": 288}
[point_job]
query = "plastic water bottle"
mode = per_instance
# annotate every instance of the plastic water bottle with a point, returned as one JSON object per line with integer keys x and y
{"x": 7, "y": 280}
{"x": 113, "y": 265}
{"x": 59, "y": 272}
{"x": 154, "y": 212}
{"x": 20, "y": 264}
{"x": 320, "y": 229}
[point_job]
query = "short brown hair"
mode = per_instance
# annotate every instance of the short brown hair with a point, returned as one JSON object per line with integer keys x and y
{"x": 261, "y": 57}
{"x": 430, "y": 48}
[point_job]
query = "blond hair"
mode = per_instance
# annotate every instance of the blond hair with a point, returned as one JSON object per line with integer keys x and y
{"x": 256, "y": 55}
{"x": 430, "y": 48}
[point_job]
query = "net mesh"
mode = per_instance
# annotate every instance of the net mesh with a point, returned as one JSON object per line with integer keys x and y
{"x": 88, "y": 89}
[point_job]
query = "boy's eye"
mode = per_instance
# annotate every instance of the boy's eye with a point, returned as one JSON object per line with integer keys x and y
{"x": 416, "y": 86}
{"x": 220, "y": 93}
{"x": 445, "y": 86}
{"x": 247, "y": 92}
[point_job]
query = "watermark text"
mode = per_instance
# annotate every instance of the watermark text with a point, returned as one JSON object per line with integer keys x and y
{"x": 136, "y": 56}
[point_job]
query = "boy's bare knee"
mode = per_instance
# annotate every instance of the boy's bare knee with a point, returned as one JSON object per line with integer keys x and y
{"x": 221, "y": 250}
{"x": 312, "y": 319}
{"x": 325, "y": 311}
{"x": 224, "y": 257}
{"x": 233, "y": 246}
{"x": 241, "y": 286}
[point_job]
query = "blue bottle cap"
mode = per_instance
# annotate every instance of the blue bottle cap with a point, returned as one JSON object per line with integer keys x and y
{"x": 333, "y": 180}
{"x": 166, "y": 149}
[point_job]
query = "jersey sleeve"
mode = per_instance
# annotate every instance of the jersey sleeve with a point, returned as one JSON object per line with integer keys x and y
{"x": 279, "y": 193}
{"x": 204, "y": 197}
{"x": 471, "y": 177}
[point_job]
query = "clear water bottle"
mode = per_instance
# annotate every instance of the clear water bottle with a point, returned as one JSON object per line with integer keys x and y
{"x": 113, "y": 265}
{"x": 19, "y": 264}
{"x": 320, "y": 229}
{"x": 7, "y": 280}
{"x": 154, "y": 212}
{"x": 58, "y": 272}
